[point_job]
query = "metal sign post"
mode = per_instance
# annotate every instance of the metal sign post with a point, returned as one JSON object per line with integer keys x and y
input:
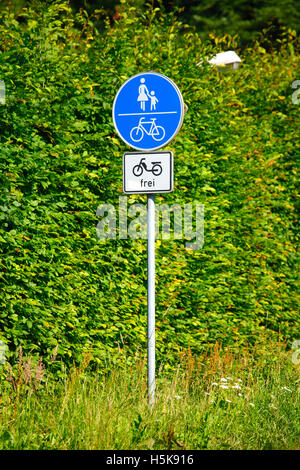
{"x": 147, "y": 113}
{"x": 151, "y": 298}
{"x": 148, "y": 173}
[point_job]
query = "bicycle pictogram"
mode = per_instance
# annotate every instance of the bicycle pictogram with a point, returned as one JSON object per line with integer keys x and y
{"x": 138, "y": 170}
{"x": 138, "y": 132}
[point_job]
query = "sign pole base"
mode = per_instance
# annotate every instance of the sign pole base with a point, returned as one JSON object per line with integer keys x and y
{"x": 151, "y": 298}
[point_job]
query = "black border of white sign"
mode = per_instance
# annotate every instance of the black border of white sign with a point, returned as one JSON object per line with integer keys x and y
{"x": 146, "y": 190}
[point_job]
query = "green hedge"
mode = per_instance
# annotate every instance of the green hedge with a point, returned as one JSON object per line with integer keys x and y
{"x": 60, "y": 158}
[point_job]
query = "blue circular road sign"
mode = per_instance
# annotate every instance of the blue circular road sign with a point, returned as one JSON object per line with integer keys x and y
{"x": 148, "y": 111}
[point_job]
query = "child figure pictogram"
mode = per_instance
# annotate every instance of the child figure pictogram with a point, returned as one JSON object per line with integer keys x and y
{"x": 153, "y": 100}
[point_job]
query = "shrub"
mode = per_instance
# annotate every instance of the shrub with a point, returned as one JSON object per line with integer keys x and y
{"x": 60, "y": 158}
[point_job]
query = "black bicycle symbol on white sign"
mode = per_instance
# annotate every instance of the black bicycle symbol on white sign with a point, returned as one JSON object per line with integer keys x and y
{"x": 138, "y": 170}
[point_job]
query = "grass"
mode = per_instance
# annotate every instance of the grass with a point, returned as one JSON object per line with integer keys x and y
{"x": 220, "y": 400}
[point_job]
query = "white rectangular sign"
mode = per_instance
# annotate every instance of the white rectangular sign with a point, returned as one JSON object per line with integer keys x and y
{"x": 147, "y": 172}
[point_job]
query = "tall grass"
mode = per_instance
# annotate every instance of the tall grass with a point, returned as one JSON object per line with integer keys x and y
{"x": 220, "y": 400}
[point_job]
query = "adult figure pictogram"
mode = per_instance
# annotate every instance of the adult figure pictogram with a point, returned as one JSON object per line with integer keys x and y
{"x": 143, "y": 94}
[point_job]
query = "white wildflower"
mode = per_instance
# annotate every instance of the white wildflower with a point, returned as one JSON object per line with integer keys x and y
{"x": 229, "y": 401}
{"x": 252, "y": 404}
{"x": 214, "y": 383}
{"x": 236, "y": 386}
{"x": 178, "y": 397}
{"x": 287, "y": 389}
{"x": 223, "y": 380}
{"x": 272, "y": 406}
{"x": 223, "y": 386}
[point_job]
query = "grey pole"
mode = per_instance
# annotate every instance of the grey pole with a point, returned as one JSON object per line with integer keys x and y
{"x": 151, "y": 298}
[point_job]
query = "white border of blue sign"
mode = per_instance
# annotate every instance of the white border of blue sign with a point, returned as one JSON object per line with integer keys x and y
{"x": 181, "y": 117}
